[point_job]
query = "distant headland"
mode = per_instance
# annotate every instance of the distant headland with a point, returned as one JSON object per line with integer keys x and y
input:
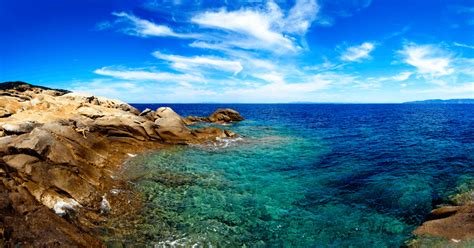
{"x": 440, "y": 101}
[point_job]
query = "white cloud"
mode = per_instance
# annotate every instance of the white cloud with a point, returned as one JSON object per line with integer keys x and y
{"x": 123, "y": 90}
{"x": 463, "y": 45}
{"x": 191, "y": 63}
{"x": 262, "y": 29}
{"x": 272, "y": 77}
{"x": 213, "y": 46}
{"x": 277, "y": 89}
{"x": 358, "y": 53}
{"x": 325, "y": 66}
{"x": 301, "y": 16}
{"x": 145, "y": 28}
{"x": 142, "y": 75}
{"x": 255, "y": 25}
{"x": 402, "y": 76}
{"x": 429, "y": 60}
{"x": 465, "y": 88}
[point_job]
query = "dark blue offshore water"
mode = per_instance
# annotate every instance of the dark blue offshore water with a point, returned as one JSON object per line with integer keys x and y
{"x": 307, "y": 175}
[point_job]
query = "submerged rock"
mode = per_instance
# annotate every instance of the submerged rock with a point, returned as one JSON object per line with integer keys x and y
{"x": 58, "y": 154}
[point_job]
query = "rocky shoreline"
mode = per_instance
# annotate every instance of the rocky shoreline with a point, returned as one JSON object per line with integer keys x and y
{"x": 448, "y": 225}
{"x": 59, "y": 152}
{"x": 58, "y": 155}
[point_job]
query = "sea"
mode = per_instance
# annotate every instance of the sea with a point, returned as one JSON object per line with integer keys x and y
{"x": 305, "y": 175}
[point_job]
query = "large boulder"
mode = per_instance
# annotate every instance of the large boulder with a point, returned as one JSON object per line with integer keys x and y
{"x": 170, "y": 126}
{"x": 225, "y": 116}
{"x": 220, "y": 116}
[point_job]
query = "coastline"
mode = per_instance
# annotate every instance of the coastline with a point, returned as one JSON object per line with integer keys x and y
{"x": 73, "y": 153}
{"x": 59, "y": 153}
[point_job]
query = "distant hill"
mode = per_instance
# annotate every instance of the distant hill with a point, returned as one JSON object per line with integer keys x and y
{"x": 22, "y": 86}
{"x": 440, "y": 101}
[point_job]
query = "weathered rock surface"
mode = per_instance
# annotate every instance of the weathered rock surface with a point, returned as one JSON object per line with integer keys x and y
{"x": 450, "y": 222}
{"x": 58, "y": 154}
{"x": 220, "y": 116}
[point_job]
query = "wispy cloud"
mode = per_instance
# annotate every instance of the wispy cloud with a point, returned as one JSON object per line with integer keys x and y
{"x": 144, "y": 75}
{"x": 262, "y": 28}
{"x": 192, "y": 63}
{"x": 254, "y": 25}
{"x": 300, "y": 17}
{"x": 463, "y": 45}
{"x": 268, "y": 28}
{"x": 258, "y": 53}
{"x": 464, "y": 88}
{"x": 144, "y": 28}
{"x": 429, "y": 60}
{"x": 277, "y": 89}
{"x": 402, "y": 76}
{"x": 325, "y": 66}
{"x": 358, "y": 53}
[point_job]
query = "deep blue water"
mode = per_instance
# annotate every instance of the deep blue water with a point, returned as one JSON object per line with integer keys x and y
{"x": 307, "y": 175}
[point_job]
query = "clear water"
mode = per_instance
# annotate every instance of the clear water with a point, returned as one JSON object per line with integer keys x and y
{"x": 306, "y": 176}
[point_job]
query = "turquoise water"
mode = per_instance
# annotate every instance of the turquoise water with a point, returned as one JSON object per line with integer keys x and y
{"x": 306, "y": 176}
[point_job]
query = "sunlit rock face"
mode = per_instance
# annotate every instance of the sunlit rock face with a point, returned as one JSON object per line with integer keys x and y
{"x": 59, "y": 151}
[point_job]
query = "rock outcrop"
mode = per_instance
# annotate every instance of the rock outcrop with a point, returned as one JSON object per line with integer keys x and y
{"x": 453, "y": 223}
{"x": 58, "y": 154}
{"x": 220, "y": 116}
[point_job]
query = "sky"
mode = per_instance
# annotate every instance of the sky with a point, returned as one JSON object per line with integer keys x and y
{"x": 178, "y": 51}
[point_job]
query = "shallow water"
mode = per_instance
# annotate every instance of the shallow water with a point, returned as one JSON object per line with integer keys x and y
{"x": 306, "y": 175}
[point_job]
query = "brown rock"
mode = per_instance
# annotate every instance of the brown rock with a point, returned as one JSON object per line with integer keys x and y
{"x": 58, "y": 154}
{"x": 145, "y": 112}
{"x": 19, "y": 161}
{"x": 220, "y": 116}
{"x": 225, "y": 116}
{"x": 4, "y": 113}
{"x": 19, "y": 128}
{"x": 450, "y": 222}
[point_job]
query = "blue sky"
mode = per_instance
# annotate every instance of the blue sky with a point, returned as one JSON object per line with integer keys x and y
{"x": 243, "y": 51}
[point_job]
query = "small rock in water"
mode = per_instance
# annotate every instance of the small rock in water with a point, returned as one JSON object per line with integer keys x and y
{"x": 105, "y": 205}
